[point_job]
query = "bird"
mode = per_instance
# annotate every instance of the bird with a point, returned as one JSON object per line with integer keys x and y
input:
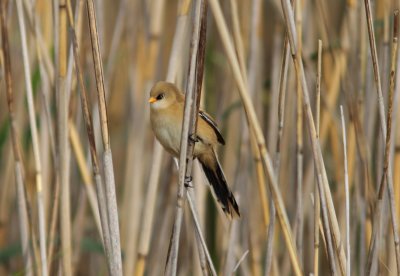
{"x": 166, "y": 116}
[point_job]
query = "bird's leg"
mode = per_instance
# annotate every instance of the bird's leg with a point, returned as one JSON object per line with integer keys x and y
{"x": 188, "y": 181}
{"x": 194, "y": 138}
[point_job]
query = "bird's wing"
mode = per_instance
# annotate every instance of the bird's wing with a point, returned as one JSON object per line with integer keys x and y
{"x": 209, "y": 120}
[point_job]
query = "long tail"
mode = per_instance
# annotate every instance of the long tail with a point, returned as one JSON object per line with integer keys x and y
{"x": 215, "y": 176}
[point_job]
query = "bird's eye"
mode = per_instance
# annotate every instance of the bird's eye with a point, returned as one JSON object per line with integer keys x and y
{"x": 160, "y": 96}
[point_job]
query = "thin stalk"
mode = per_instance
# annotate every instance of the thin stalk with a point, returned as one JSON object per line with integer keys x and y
{"x": 377, "y": 78}
{"x": 299, "y": 143}
{"x": 240, "y": 261}
{"x": 42, "y": 50}
{"x": 18, "y": 169}
{"x": 387, "y": 174}
{"x": 192, "y": 205}
{"x": 387, "y": 160}
{"x": 150, "y": 201}
{"x": 317, "y": 205}
{"x": 56, "y": 189}
{"x": 116, "y": 268}
{"x": 64, "y": 152}
{"x": 189, "y": 125}
{"x": 53, "y": 221}
{"x": 283, "y": 74}
{"x": 346, "y": 186}
{"x": 35, "y": 140}
{"x": 86, "y": 176}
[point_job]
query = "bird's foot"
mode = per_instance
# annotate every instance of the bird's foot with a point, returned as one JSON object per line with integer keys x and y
{"x": 194, "y": 138}
{"x": 188, "y": 182}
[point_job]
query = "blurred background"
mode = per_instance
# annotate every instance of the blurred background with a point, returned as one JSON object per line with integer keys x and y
{"x": 142, "y": 42}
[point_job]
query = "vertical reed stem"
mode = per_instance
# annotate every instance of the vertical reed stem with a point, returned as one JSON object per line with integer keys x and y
{"x": 35, "y": 140}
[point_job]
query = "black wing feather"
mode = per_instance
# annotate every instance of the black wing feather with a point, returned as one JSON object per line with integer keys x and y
{"x": 207, "y": 118}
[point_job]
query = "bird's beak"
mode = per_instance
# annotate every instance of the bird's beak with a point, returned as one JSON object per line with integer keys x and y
{"x": 152, "y": 100}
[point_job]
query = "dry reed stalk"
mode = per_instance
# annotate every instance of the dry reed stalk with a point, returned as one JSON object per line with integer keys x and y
{"x": 283, "y": 75}
{"x": 35, "y": 141}
{"x": 298, "y": 225}
{"x": 35, "y": 249}
{"x": 362, "y": 147}
{"x": 332, "y": 95}
{"x": 56, "y": 189}
{"x": 387, "y": 175}
{"x": 6, "y": 189}
{"x": 42, "y": 53}
{"x": 63, "y": 145}
{"x": 254, "y": 124}
{"x": 112, "y": 208}
{"x": 110, "y": 67}
{"x": 317, "y": 154}
{"x": 201, "y": 206}
{"x": 240, "y": 261}
{"x": 18, "y": 169}
{"x": 53, "y": 221}
{"x": 85, "y": 173}
{"x": 205, "y": 261}
{"x": 77, "y": 19}
{"x": 189, "y": 126}
{"x": 317, "y": 205}
{"x": 273, "y": 113}
{"x": 47, "y": 136}
{"x": 151, "y": 195}
{"x": 99, "y": 10}
{"x": 387, "y": 156}
{"x": 346, "y": 185}
{"x": 320, "y": 226}
{"x": 377, "y": 78}
{"x": 396, "y": 143}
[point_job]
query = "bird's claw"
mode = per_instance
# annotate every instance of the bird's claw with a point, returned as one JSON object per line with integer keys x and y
{"x": 194, "y": 138}
{"x": 188, "y": 181}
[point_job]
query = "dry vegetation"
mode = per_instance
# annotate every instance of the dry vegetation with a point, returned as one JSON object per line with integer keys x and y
{"x": 307, "y": 98}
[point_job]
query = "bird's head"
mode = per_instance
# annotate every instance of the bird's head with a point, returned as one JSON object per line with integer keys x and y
{"x": 163, "y": 94}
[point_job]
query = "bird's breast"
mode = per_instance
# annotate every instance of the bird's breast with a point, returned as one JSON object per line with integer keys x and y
{"x": 168, "y": 130}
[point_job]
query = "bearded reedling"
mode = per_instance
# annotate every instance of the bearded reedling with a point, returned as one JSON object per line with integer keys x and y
{"x": 166, "y": 115}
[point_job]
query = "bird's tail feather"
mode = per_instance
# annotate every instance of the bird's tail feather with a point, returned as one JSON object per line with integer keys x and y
{"x": 224, "y": 196}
